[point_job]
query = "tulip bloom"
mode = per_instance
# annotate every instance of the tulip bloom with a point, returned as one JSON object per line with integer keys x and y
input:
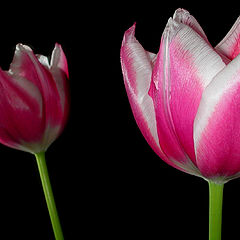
{"x": 33, "y": 100}
{"x": 34, "y": 107}
{"x": 185, "y": 100}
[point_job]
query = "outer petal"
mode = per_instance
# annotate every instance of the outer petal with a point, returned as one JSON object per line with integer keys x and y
{"x": 137, "y": 69}
{"x": 59, "y": 71}
{"x": 59, "y": 60}
{"x": 230, "y": 45}
{"x": 217, "y": 128}
{"x": 186, "y": 64}
{"x": 58, "y": 68}
{"x": 21, "y": 112}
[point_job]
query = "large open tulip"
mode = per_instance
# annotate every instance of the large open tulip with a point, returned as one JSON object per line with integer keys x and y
{"x": 185, "y": 100}
{"x": 34, "y": 106}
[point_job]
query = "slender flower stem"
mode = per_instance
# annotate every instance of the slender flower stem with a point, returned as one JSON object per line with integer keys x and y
{"x": 215, "y": 210}
{"x": 42, "y": 167}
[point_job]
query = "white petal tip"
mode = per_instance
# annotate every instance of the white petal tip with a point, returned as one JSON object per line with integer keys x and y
{"x": 129, "y": 34}
{"x": 170, "y": 28}
{"x": 179, "y": 13}
{"x": 22, "y": 47}
{"x": 58, "y": 59}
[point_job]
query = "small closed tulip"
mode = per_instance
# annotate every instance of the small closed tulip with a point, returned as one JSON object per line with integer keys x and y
{"x": 185, "y": 100}
{"x": 34, "y": 107}
{"x": 34, "y": 102}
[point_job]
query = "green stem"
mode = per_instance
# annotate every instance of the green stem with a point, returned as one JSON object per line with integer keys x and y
{"x": 215, "y": 210}
{"x": 42, "y": 167}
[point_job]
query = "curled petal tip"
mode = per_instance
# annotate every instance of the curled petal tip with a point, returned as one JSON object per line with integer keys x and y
{"x": 58, "y": 59}
{"x": 58, "y": 46}
{"x": 171, "y": 23}
{"x": 22, "y": 47}
{"x": 181, "y": 15}
{"x": 129, "y": 34}
{"x": 180, "y": 12}
{"x": 170, "y": 28}
{"x": 131, "y": 30}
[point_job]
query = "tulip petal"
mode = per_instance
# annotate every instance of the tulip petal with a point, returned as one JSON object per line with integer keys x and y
{"x": 216, "y": 127}
{"x": 25, "y": 64}
{"x": 184, "y": 17}
{"x": 185, "y": 66}
{"x": 59, "y": 60}
{"x": 43, "y": 60}
{"x": 60, "y": 74}
{"x": 230, "y": 45}
{"x": 137, "y": 69}
{"x": 59, "y": 70}
{"x": 20, "y": 106}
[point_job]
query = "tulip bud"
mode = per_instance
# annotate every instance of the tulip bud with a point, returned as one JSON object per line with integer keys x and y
{"x": 34, "y": 101}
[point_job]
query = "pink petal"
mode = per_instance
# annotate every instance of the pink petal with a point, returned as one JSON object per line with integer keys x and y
{"x": 217, "y": 128}
{"x": 58, "y": 68}
{"x": 59, "y": 71}
{"x": 185, "y": 65}
{"x": 59, "y": 60}
{"x": 137, "y": 69}
{"x": 25, "y": 64}
{"x": 21, "y": 111}
{"x": 230, "y": 45}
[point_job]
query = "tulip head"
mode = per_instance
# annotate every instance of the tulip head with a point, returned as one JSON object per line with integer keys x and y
{"x": 34, "y": 99}
{"x": 185, "y": 98}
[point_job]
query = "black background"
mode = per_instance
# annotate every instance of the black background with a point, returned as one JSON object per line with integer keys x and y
{"x": 106, "y": 180}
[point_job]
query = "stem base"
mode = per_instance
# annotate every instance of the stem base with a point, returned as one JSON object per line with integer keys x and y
{"x": 215, "y": 210}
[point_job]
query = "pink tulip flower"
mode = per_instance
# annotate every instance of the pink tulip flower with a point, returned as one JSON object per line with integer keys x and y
{"x": 34, "y": 106}
{"x": 185, "y": 99}
{"x": 34, "y": 102}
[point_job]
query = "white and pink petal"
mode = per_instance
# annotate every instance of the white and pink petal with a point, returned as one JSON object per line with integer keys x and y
{"x": 60, "y": 74}
{"x": 186, "y": 64}
{"x": 184, "y": 17}
{"x": 31, "y": 96}
{"x": 20, "y": 106}
{"x": 137, "y": 70}
{"x": 230, "y": 45}
{"x": 216, "y": 126}
{"x": 58, "y": 68}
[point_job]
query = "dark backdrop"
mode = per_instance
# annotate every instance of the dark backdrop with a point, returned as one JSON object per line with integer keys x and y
{"x": 107, "y": 181}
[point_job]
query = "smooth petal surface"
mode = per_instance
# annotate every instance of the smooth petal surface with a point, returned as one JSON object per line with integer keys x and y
{"x": 21, "y": 111}
{"x": 58, "y": 68}
{"x": 137, "y": 70}
{"x": 59, "y": 71}
{"x": 230, "y": 45}
{"x": 217, "y": 128}
{"x": 185, "y": 65}
{"x": 59, "y": 61}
